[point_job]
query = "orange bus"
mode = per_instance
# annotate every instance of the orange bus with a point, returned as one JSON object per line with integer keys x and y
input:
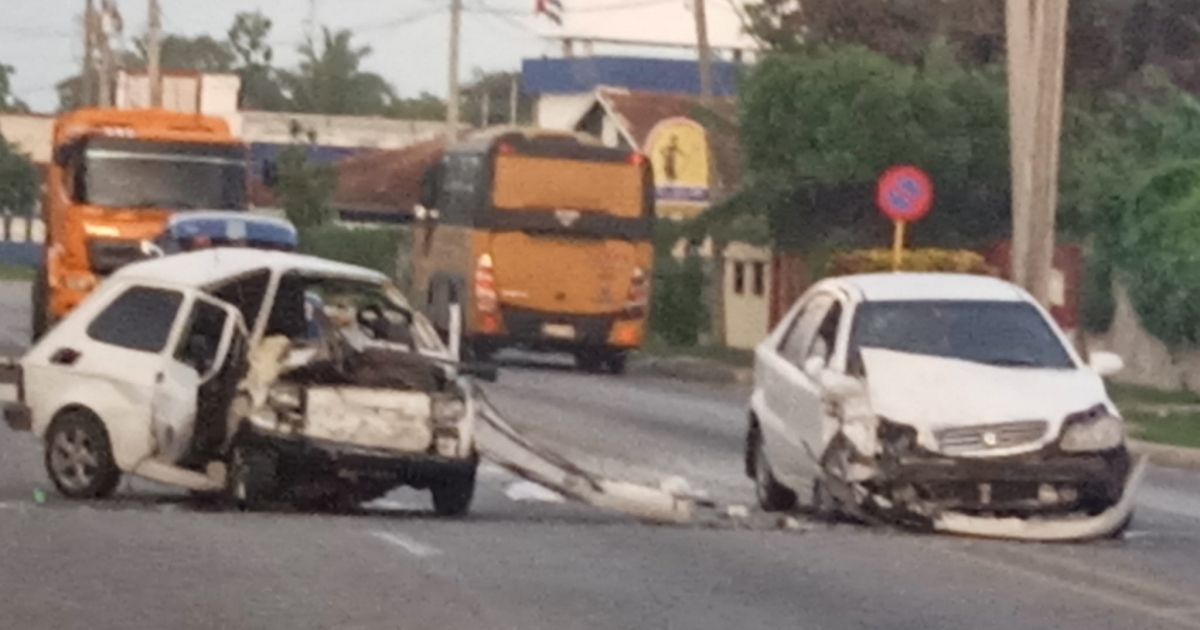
{"x": 115, "y": 178}
{"x": 544, "y": 238}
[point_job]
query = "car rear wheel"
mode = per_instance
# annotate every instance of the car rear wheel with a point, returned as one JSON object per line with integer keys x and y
{"x": 616, "y": 363}
{"x": 253, "y": 476}
{"x": 79, "y": 457}
{"x": 772, "y": 495}
{"x": 40, "y": 294}
{"x": 452, "y": 495}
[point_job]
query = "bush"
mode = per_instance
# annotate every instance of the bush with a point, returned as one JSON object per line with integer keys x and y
{"x": 941, "y": 260}
{"x": 677, "y": 310}
{"x": 374, "y": 248}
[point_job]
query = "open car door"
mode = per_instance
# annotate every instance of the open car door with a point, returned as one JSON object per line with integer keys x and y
{"x": 193, "y": 389}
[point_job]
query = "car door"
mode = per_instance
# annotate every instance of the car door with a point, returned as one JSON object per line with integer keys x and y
{"x": 792, "y": 396}
{"x": 106, "y": 357}
{"x": 198, "y": 356}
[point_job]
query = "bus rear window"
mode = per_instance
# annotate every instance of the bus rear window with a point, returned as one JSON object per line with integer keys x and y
{"x": 537, "y": 183}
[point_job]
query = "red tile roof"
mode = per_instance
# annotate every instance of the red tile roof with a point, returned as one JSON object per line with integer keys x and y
{"x": 385, "y": 180}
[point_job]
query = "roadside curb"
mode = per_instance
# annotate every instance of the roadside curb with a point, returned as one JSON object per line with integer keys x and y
{"x": 1166, "y": 455}
{"x": 692, "y": 369}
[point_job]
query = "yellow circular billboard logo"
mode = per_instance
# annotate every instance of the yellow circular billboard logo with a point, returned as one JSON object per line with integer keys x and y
{"x": 678, "y": 149}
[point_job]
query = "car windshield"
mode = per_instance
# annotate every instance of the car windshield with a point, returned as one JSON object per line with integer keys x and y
{"x": 997, "y": 333}
{"x": 126, "y": 173}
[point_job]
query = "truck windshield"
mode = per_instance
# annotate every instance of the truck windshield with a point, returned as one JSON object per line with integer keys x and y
{"x": 130, "y": 173}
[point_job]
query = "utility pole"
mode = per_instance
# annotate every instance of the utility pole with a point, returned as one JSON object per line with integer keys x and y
{"x": 706, "y": 82}
{"x": 1036, "y": 33}
{"x": 716, "y": 285}
{"x": 154, "y": 52}
{"x": 452, "y": 99}
{"x": 513, "y": 95}
{"x": 87, "y": 76}
{"x": 104, "y": 76}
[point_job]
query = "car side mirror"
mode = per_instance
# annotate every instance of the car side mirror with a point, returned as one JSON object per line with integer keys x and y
{"x": 1105, "y": 363}
{"x": 484, "y": 371}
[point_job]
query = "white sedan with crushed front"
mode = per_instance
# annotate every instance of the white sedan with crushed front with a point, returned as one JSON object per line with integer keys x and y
{"x": 944, "y": 401}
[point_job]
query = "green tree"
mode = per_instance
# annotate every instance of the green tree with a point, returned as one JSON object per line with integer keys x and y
{"x": 9, "y": 102}
{"x": 329, "y": 80}
{"x": 18, "y": 181}
{"x": 818, "y": 127}
{"x": 496, "y": 88}
{"x": 199, "y": 54}
{"x": 247, "y": 38}
{"x": 305, "y": 188}
{"x": 426, "y": 106}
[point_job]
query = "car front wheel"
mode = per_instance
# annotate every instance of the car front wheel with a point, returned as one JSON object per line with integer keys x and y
{"x": 772, "y": 495}
{"x": 452, "y": 494}
{"x": 79, "y": 457}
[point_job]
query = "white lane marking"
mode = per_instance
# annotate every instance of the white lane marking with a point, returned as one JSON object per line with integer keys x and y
{"x": 413, "y": 547}
{"x": 391, "y": 504}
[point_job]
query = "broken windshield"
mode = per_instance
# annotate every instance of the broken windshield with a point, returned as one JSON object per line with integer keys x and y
{"x": 997, "y": 333}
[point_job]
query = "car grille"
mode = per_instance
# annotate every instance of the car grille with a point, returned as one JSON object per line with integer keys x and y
{"x": 960, "y": 440}
{"x": 108, "y": 255}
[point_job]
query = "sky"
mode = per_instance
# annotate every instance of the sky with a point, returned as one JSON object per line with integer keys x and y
{"x": 42, "y": 39}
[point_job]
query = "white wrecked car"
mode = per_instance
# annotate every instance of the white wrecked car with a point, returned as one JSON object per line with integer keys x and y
{"x": 947, "y": 401}
{"x": 270, "y": 375}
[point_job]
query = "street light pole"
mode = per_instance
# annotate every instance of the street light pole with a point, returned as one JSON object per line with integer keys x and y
{"x": 154, "y": 54}
{"x": 452, "y": 115}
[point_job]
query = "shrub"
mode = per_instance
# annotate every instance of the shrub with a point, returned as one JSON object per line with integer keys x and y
{"x": 876, "y": 260}
{"x": 374, "y": 248}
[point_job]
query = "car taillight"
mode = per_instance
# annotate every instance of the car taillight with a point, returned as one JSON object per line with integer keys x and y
{"x": 485, "y": 285}
{"x": 636, "y": 158}
{"x": 639, "y": 294}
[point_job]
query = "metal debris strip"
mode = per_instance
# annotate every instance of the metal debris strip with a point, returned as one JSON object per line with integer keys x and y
{"x": 501, "y": 443}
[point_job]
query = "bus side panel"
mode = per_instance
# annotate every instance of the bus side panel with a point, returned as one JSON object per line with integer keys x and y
{"x": 443, "y": 264}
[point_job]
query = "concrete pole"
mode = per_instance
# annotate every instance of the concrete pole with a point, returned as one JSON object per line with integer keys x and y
{"x": 87, "y": 75}
{"x": 154, "y": 54}
{"x": 706, "y": 82}
{"x": 452, "y": 99}
{"x": 513, "y": 96}
{"x": 1036, "y": 31}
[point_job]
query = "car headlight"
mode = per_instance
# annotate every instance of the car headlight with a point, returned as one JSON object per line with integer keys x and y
{"x": 448, "y": 410}
{"x": 1093, "y": 430}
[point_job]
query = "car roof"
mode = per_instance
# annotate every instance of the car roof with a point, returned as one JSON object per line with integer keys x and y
{"x": 893, "y": 287}
{"x": 209, "y": 266}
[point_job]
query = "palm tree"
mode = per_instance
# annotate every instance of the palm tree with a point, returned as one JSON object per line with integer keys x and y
{"x": 329, "y": 81}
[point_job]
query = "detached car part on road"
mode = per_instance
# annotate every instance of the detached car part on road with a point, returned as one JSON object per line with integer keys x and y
{"x": 212, "y": 371}
{"x": 946, "y": 401}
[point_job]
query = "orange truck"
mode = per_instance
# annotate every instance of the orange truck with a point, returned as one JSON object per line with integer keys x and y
{"x": 115, "y": 179}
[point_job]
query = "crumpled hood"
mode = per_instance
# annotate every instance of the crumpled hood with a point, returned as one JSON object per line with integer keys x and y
{"x": 930, "y": 393}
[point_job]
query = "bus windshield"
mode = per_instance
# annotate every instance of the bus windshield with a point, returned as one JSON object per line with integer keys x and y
{"x": 130, "y": 173}
{"x": 585, "y": 186}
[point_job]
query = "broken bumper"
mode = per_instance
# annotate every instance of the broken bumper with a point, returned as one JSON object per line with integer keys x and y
{"x": 1050, "y": 529}
{"x": 18, "y": 416}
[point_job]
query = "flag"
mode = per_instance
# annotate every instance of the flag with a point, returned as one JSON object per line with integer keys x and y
{"x": 550, "y": 8}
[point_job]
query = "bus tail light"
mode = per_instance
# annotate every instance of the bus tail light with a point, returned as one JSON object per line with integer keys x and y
{"x": 637, "y": 159}
{"x": 639, "y": 294}
{"x": 505, "y": 148}
{"x": 485, "y": 286}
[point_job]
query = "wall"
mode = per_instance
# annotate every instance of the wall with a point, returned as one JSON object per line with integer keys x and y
{"x": 561, "y": 111}
{"x": 335, "y": 131}
{"x": 748, "y": 282}
{"x": 212, "y": 94}
{"x": 31, "y": 133}
{"x": 1148, "y": 361}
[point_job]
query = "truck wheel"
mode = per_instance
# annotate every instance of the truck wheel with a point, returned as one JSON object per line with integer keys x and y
{"x": 589, "y": 361}
{"x": 616, "y": 362}
{"x": 39, "y": 296}
{"x": 772, "y": 495}
{"x": 452, "y": 496}
{"x": 79, "y": 457}
{"x": 252, "y": 476}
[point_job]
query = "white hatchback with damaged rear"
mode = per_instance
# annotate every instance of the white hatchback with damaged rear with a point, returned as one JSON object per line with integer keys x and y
{"x": 268, "y": 376}
{"x": 945, "y": 401}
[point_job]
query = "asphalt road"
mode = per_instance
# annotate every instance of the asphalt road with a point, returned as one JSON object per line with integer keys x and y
{"x": 148, "y": 559}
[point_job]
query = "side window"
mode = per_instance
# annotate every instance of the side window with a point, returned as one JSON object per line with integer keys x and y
{"x": 246, "y": 294}
{"x": 140, "y": 319}
{"x": 201, "y": 336}
{"x": 799, "y": 340}
{"x": 826, "y": 337}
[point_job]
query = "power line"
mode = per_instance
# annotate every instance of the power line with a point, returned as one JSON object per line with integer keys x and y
{"x": 607, "y": 8}
{"x": 503, "y": 16}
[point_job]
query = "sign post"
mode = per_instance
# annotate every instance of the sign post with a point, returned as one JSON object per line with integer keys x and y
{"x": 904, "y": 194}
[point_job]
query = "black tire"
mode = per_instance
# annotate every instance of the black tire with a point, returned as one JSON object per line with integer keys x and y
{"x": 39, "y": 294}
{"x": 253, "y": 476}
{"x": 453, "y": 494}
{"x": 772, "y": 496}
{"x": 616, "y": 363}
{"x": 589, "y": 361}
{"x": 1119, "y": 532}
{"x": 825, "y": 506}
{"x": 750, "y": 450}
{"x": 79, "y": 457}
